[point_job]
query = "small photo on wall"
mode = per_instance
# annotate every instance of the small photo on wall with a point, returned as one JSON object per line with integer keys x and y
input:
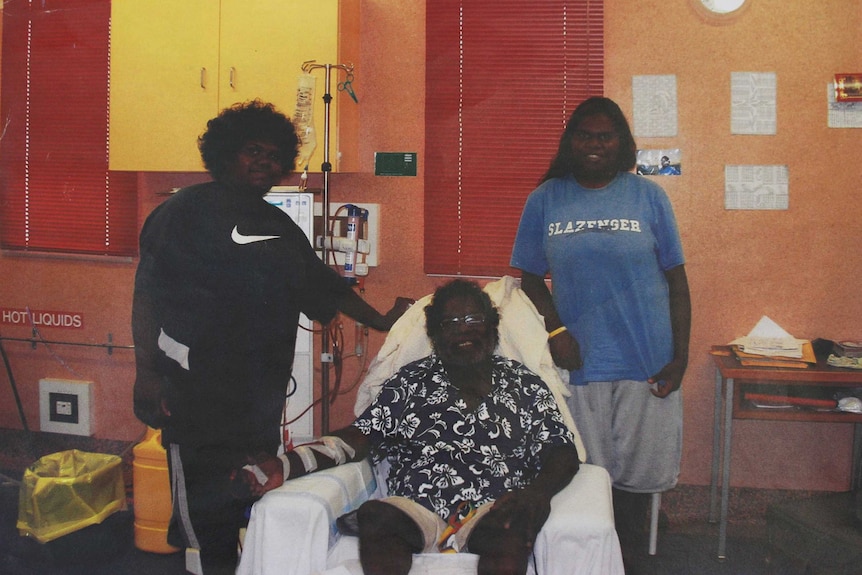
{"x": 659, "y": 162}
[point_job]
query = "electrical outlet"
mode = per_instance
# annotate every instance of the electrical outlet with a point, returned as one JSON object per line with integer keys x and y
{"x": 65, "y": 406}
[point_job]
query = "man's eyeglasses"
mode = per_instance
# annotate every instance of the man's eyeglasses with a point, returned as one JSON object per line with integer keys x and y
{"x": 472, "y": 320}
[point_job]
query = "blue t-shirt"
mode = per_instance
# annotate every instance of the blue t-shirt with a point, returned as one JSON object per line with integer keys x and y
{"x": 607, "y": 250}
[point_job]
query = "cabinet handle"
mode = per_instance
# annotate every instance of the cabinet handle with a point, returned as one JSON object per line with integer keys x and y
{"x": 232, "y": 77}
{"x": 203, "y": 78}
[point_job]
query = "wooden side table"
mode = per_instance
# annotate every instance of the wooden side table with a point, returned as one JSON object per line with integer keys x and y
{"x": 733, "y": 381}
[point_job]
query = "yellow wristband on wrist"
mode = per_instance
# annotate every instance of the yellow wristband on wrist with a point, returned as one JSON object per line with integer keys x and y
{"x": 557, "y": 332}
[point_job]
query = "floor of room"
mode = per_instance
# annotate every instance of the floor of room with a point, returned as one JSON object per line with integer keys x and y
{"x": 687, "y": 542}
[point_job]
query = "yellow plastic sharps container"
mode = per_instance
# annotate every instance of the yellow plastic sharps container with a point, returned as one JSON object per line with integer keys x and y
{"x": 152, "y": 488}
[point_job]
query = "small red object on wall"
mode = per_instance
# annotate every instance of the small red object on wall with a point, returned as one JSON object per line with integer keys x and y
{"x": 848, "y": 87}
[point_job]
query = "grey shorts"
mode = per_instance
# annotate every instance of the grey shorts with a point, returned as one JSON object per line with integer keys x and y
{"x": 636, "y": 436}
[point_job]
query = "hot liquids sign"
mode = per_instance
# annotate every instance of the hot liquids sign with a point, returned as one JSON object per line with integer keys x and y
{"x": 41, "y": 318}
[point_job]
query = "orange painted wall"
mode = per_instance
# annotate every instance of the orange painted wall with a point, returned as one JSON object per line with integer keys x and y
{"x": 794, "y": 265}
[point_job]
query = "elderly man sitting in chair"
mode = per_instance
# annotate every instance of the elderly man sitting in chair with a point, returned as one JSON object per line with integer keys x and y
{"x": 476, "y": 445}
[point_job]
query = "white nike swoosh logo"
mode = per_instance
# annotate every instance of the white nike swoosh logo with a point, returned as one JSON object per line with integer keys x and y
{"x": 242, "y": 239}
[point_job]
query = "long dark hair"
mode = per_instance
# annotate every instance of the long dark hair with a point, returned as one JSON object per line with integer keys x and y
{"x": 563, "y": 163}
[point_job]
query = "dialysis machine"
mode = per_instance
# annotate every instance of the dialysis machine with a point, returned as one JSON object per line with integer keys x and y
{"x": 300, "y": 391}
{"x": 351, "y": 255}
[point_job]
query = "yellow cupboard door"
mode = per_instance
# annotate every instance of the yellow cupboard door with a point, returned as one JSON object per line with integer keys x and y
{"x": 164, "y": 82}
{"x": 263, "y": 46}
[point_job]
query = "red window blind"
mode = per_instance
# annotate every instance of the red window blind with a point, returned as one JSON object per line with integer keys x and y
{"x": 56, "y": 193}
{"x": 502, "y": 77}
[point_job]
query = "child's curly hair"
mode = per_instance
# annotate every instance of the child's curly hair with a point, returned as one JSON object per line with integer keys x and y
{"x": 228, "y": 132}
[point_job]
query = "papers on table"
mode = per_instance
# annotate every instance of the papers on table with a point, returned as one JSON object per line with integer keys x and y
{"x": 769, "y": 339}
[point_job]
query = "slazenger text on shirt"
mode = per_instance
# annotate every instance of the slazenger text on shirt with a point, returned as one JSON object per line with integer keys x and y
{"x": 614, "y": 225}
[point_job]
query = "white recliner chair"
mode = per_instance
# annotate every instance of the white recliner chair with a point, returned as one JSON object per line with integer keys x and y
{"x": 292, "y": 529}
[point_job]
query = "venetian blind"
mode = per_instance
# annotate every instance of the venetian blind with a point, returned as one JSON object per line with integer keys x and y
{"x": 502, "y": 77}
{"x": 56, "y": 193}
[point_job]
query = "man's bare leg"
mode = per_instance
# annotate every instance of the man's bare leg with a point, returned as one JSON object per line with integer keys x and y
{"x": 502, "y": 549}
{"x": 388, "y": 538}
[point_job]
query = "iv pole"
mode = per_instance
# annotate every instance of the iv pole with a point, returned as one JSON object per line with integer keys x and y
{"x": 326, "y": 168}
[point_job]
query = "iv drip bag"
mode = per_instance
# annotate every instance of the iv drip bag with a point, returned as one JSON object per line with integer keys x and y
{"x": 303, "y": 119}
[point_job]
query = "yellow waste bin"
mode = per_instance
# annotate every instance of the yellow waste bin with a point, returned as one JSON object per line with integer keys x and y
{"x": 152, "y": 488}
{"x": 67, "y": 491}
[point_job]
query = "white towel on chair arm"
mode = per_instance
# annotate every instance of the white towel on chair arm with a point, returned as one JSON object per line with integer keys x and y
{"x": 292, "y": 528}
